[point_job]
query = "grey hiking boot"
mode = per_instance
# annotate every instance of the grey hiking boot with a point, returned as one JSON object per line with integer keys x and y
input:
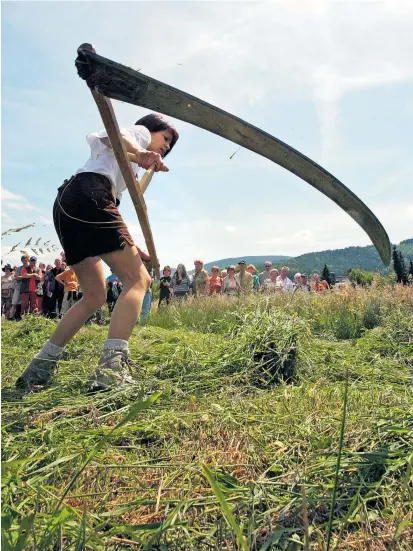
{"x": 112, "y": 371}
{"x": 37, "y": 373}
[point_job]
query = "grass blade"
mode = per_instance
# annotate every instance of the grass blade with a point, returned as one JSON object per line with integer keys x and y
{"x": 225, "y": 508}
{"x": 135, "y": 409}
{"x": 133, "y": 412}
{"x": 340, "y": 451}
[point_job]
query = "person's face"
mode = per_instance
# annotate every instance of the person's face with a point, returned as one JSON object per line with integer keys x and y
{"x": 231, "y": 272}
{"x": 304, "y": 280}
{"x": 267, "y": 266}
{"x": 224, "y": 273}
{"x": 42, "y": 266}
{"x": 32, "y": 263}
{"x": 26, "y": 261}
{"x": 161, "y": 142}
{"x": 242, "y": 267}
{"x": 284, "y": 274}
{"x": 316, "y": 277}
{"x": 7, "y": 271}
{"x": 64, "y": 265}
{"x": 214, "y": 272}
{"x": 251, "y": 270}
{"x": 58, "y": 263}
{"x": 198, "y": 266}
{"x": 167, "y": 273}
{"x": 273, "y": 276}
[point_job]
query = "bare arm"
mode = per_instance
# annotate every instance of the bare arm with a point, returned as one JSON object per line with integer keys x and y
{"x": 146, "y": 159}
{"x": 60, "y": 277}
{"x": 131, "y": 145}
{"x": 25, "y": 275}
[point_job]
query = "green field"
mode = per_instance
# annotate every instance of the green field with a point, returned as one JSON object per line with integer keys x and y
{"x": 262, "y": 424}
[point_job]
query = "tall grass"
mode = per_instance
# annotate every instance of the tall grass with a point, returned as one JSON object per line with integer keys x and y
{"x": 240, "y": 451}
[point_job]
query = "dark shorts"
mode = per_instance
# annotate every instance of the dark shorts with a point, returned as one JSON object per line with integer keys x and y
{"x": 86, "y": 218}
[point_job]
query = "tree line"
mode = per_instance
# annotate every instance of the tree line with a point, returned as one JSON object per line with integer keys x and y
{"x": 403, "y": 272}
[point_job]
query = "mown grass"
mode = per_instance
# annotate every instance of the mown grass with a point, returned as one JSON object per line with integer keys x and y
{"x": 230, "y": 439}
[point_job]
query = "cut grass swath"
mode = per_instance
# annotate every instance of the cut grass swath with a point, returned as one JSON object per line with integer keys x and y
{"x": 134, "y": 410}
{"x": 340, "y": 451}
{"x": 225, "y": 508}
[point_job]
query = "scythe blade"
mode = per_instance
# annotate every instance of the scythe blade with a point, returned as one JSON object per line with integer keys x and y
{"x": 119, "y": 82}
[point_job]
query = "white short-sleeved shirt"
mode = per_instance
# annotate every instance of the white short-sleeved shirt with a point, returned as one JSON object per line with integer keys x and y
{"x": 286, "y": 284}
{"x": 103, "y": 161}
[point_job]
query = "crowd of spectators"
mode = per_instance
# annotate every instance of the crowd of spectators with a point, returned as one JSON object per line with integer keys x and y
{"x": 52, "y": 290}
{"x": 233, "y": 281}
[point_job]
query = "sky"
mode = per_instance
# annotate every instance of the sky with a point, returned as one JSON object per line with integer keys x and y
{"x": 333, "y": 79}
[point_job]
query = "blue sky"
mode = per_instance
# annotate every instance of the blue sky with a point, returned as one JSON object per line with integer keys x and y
{"x": 332, "y": 79}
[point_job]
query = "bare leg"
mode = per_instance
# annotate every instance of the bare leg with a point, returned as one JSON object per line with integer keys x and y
{"x": 112, "y": 371}
{"x": 41, "y": 368}
{"x": 91, "y": 278}
{"x": 127, "y": 265}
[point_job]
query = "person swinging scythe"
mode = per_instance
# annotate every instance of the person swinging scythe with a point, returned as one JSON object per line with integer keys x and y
{"x": 91, "y": 229}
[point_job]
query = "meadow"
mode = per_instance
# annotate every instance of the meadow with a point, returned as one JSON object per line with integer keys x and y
{"x": 265, "y": 423}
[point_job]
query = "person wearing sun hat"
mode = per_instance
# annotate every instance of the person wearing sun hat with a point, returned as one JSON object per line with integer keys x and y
{"x": 245, "y": 278}
{"x": 16, "y": 298}
{"x": 6, "y": 290}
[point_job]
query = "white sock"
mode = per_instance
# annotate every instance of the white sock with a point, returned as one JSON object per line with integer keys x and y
{"x": 50, "y": 350}
{"x": 115, "y": 344}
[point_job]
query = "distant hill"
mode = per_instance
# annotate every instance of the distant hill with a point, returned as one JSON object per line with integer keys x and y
{"x": 248, "y": 259}
{"x": 406, "y": 247}
{"x": 339, "y": 261}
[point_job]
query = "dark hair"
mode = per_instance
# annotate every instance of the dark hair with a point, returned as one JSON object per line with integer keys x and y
{"x": 184, "y": 273}
{"x": 155, "y": 122}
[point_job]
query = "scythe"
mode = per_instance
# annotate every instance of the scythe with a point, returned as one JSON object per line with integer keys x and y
{"x": 108, "y": 79}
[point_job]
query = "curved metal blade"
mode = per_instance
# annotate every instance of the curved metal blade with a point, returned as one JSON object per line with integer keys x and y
{"x": 124, "y": 84}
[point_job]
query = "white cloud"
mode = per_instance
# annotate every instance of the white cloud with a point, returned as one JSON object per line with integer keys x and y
{"x": 46, "y": 221}
{"x": 14, "y": 201}
{"x": 6, "y": 217}
{"x": 24, "y": 206}
{"x": 230, "y": 229}
{"x": 7, "y": 195}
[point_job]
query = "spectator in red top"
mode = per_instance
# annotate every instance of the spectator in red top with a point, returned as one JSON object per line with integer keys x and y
{"x": 214, "y": 282}
{"x": 316, "y": 284}
{"x": 325, "y": 285}
{"x": 31, "y": 277}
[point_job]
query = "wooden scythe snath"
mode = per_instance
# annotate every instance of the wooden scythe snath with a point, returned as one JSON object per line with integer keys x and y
{"x": 124, "y": 159}
{"x": 108, "y": 79}
{"x": 134, "y": 188}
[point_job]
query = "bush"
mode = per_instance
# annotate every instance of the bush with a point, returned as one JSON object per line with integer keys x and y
{"x": 360, "y": 277}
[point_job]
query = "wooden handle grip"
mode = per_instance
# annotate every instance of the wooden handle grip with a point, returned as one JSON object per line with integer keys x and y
{"x": 132, "y": 157}
{"x": 147, "y": 177}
